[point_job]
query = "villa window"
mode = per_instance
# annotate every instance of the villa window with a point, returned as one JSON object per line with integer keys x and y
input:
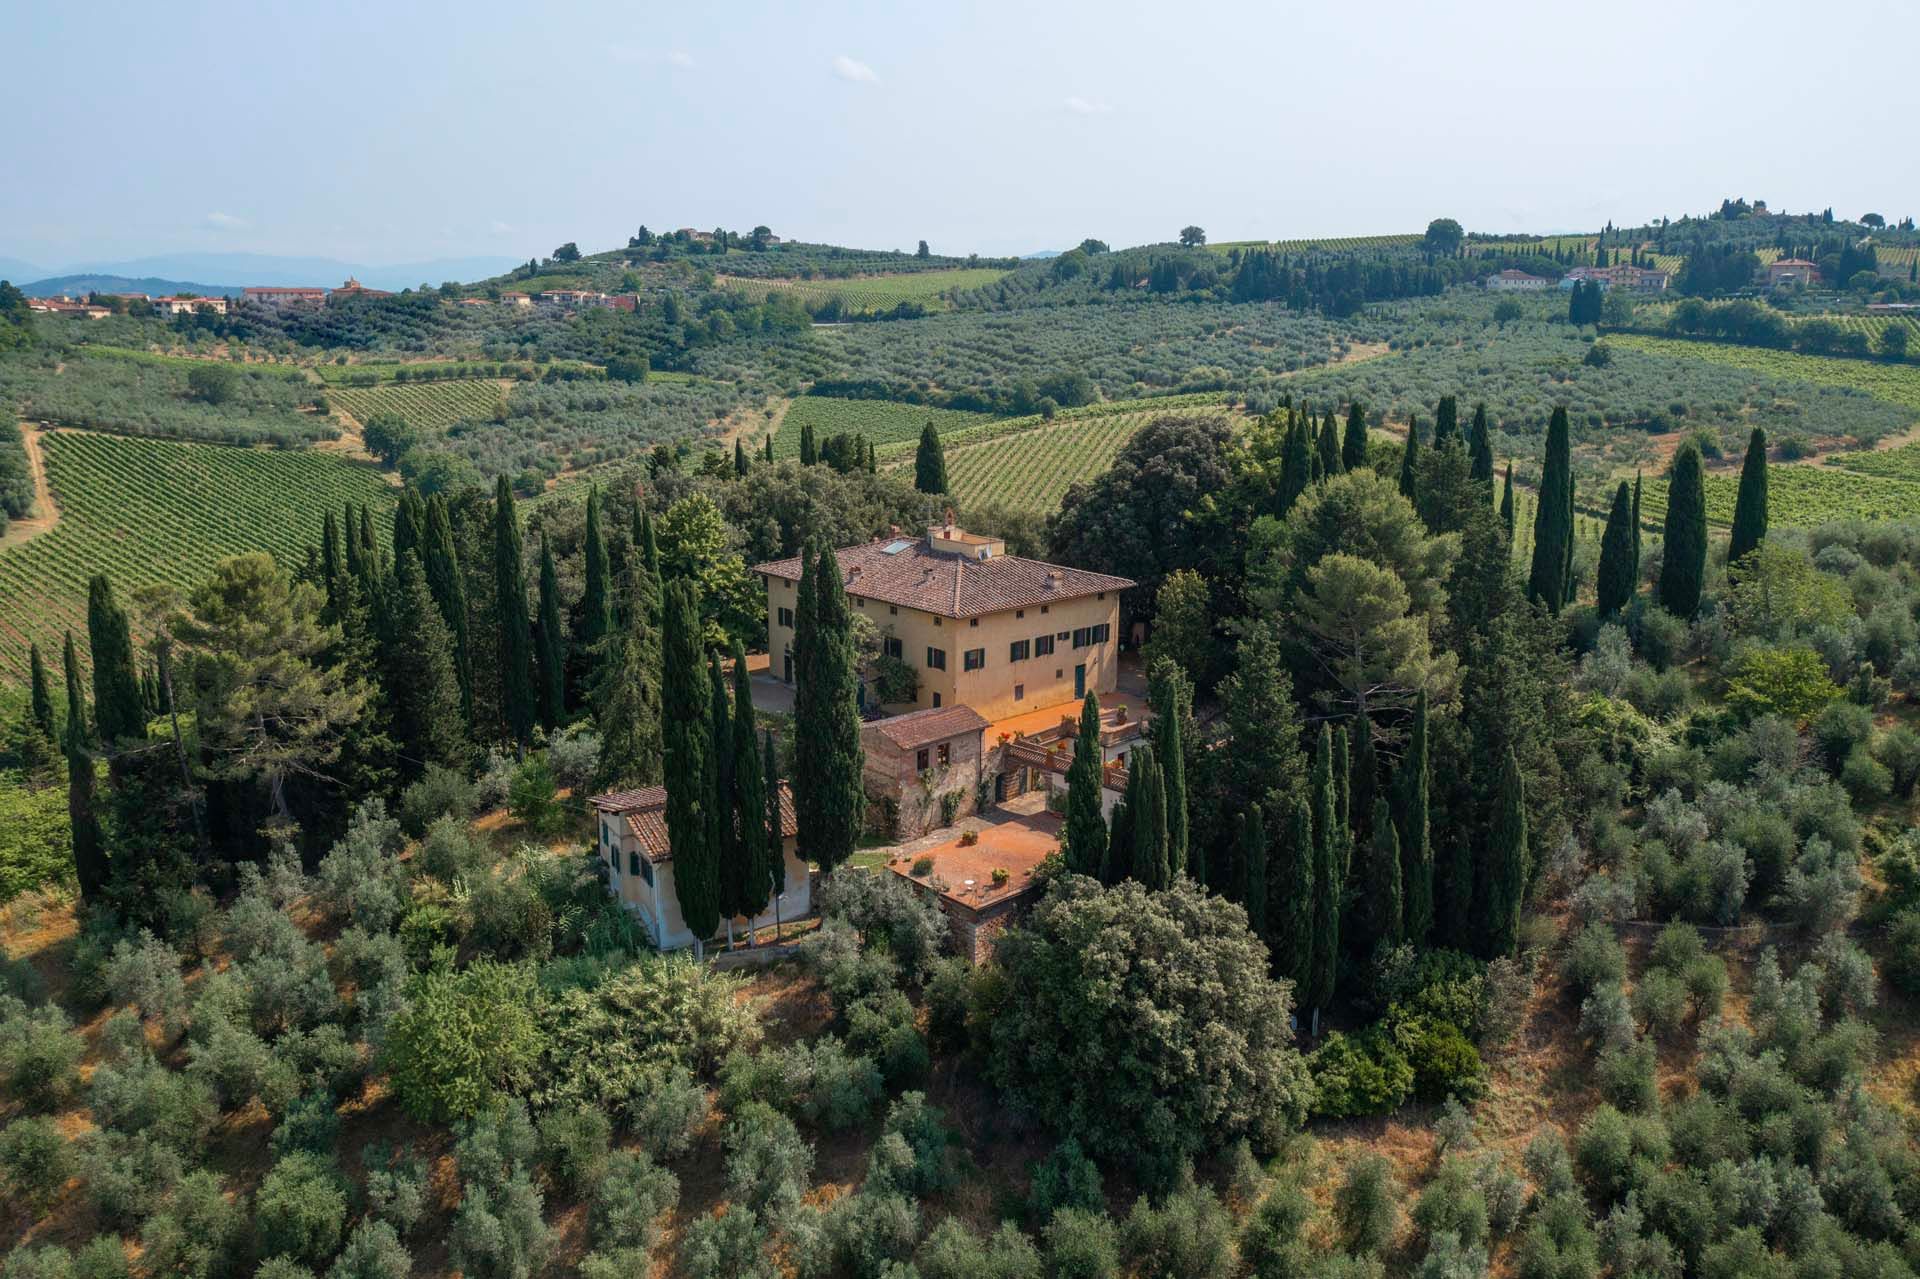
{"x": 920, "y": 762}
{"x": 946, "y": 754}
{"x": 786, "y": 618}
{"x": 936, "y": 659}
{"x": 1043, "y": 646}
{"x": 1018, "y": 650}
{"x": 974, "y": 659}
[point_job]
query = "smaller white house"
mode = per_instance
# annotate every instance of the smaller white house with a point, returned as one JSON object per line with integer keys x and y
{"x": 1511, "y": 281}
{"x": 633, "y": 842}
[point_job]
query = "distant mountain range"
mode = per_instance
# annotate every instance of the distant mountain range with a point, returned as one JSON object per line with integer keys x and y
{"x": 173, "y": 272}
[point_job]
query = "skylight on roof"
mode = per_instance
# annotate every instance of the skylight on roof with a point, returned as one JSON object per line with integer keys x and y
{"x": 895, "y": 547}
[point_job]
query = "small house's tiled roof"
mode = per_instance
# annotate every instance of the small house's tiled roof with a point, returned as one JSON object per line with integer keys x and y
{"x": 646, "y": 812}
{"x": 923, "y": 728}
{"x": 952, "y": 585}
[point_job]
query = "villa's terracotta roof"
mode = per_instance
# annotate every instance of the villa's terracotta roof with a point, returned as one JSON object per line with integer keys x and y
{"x": 923, "y": 728}
{"x": 646, "y": 812}
{"x": 952, "y": 585}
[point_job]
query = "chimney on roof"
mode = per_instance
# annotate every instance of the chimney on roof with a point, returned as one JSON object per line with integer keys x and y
{"x": 893, "y": 530}
{"x": 1053, "y": 579}
{"x": 853, "y": 575}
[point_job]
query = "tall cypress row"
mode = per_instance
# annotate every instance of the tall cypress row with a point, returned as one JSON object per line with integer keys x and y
{"x": 1147, "y": 791}
{"x": 1504, "y": 874}
{"x": 834, "y": 733}
{"x": 1164, "y": 693}
{"x": 1410, "y": 462}
{"x": 1683, "y": 564}
{"x": 809, "y": 454}
{"x": 550, "y": 645}
{"x": 596, "y": 604}
{"x": 448, "y": 584}
{"x": 421, "y": 688}
{"x": 1552, "y": 517}
{"x": 1250, "y": 862}
{"x": 727, "y": 841}
{"x": 1086, "y": 828}
{"x": 1353, "y": 445}
{"x": 1614, "y": 587}
{"x": 1329, "y": 882}
{"x": 1415, "y": 835}
{"x": 119, "y": 712}
{"x": 1750, "y": 506}
{"x": 42, "y": 695}
{"x": 1380, "y": 906}
{"x": 89, "y": 858}
{"x": 807, "y": 786}
{"x": 514, "y": 629}
{"x": 758, "y": 853}
{"x": 1291, "y": 901}
{"x": 689, "y": 769}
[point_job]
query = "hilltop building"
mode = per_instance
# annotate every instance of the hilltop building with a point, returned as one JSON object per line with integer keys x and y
{"x": 1511, "y": 281}
{"x": 354, "y": 289}
{"x": 284, "y": 295}
{"x": 1787, "y": 272}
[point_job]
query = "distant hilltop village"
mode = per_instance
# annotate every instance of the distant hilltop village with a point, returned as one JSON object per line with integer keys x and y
{"x": 98, "y": 306}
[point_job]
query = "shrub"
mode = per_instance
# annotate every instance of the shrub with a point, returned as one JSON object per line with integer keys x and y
{"x": 1366, "y": 1205}
{"x": 848, "y": 971}
{"x": 101, "y": 1257}
{"x": 729, "y": 1246}
{"x": 667, "y": 1111}
{"x": 448, "y": 851}
{"x": 440, "y": 793}
{"x": 1452, "y": 1203}
{"x": 373, "y": 1251}
{"x": 1064, "y": 1179}
{"x": 533, "y": 798}
{"x": 953, "y": 1251}
{"x": 768, "y": 1165}
{"x": 1626, "y": 1078}
{"x": 1082, "y": 1245}
{"x": 199, "y": 1234}
{"x": 889, "y": 914}
{"x": 461, "y": 1037}
{"x": 35, "y": 1162}
{"x": 926, "y": 1158}
{"x": 311, "y": 1124}
{"x": 142, "y": 1096}
{"x": 147, "y": 975}
{"x": 817, "y": 1082}
{"x": 1363, "y": 1074}
{"x": 1189, "y": 1234}
{"x": 629, "y": 1202}
{"x": 301, "y": 1208}
{"x": 1594, "y": 959}
{"x": 881, "y": 1027}
{"x": 396, "y": 1187}
{"x": 39, "y": 1056}
{"x": 127, "y": 1177}
{"x": 1903, "y": 951}
{"x": 1445, "y": 1064}
{"x": 499, "y": 1234}
{"x": 361, "y": 878}
{"x": 49, "y": 1261}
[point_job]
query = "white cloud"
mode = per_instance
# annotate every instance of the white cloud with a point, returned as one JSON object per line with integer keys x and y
{"x": 227, "y": 222}
{"x": 680, "y": 58}
{"x": 636, "y": 55}
{"x": 497, "y": 227}
{"x": 858, "y": 72}
{"x": 1085, "y": 106}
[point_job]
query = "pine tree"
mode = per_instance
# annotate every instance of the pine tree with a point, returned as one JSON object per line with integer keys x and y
{"x": 1503, "y": 880}
{"x": 42, "y": 696}
{"x": 1380, "y": 902}
{"x": 1291, "y": 901}
{"x": 515, "y": 631}
{"x": 448, "y": 584}
{"x": 1329, "y": 883}
{"x": 730, "y": 847}
{"x": 759, "y": 851}
{"x": 1410, "y": 461}
{"x": 1353, "y": 446}
{"x": 1506, "y": 504}
{"x": 550, "y": 645}
{"x": 1683, "y": 564}
{"x": 1614, "y": 587}
{"x": 1250, "y": 863}
{"x": 1480, "y": 448}
{"x": 1169, "y": 700}
{"x": 422, "y": 690}
{"x": 1750, "y": 506}
{"x": 1148, "y": 804}
{"x": 1329, "y": 441}
{"x": 930, "y": 462}
{"x": 596, "y": 604}
{"x": 833, "y": 734}
{"x": 119, "y": 712}
{"x": 1446, "y": 421}
{"x": 89, "y": 858}
{"x": 1552, "y": 519}
{"x": 689, "y": 769}
{"x": 1086, "y": 829}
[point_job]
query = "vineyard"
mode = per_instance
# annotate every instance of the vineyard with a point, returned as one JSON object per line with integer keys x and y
{"x": 1346, "y": 244}
{"x": 146, "y": 511}
{"x": 882, "y": 421}
{"x": 1901, "y": 463}
{"x": 1894, "y": 383}
{"x": 425, "y": 405}
{"x": 869, "y": 293}
{"x": 1798, "y": 497}
{"x": 1028, "y": 464}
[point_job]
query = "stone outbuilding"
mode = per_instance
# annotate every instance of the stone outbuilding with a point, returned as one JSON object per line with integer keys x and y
{"x": 924, "y": 769}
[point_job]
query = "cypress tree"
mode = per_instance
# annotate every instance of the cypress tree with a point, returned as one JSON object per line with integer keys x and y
{"x": 689, "y": 767}
{"x": 1343, "y": 799}
{"x": 351, "y": 528}
{"x": 1296, "y": 465}
{"x": 1291, "y": 901}
{"x": 1149, "y": 807}
{"x": 1410, "y": 461}
{"x": 1381, "y": 906}
{"x": 776, "y": 842}
{"x": 1480, "y": 448}
{"x": 1119, "y": 861}
{"x": 739, "y": 458}
{"x": 1750, "y": 506}
{"x": 1504, "y": 879}
{"x": 409, "y": 523}
{"x": 1363, "y": 768}
{"x": 331, "y": 564}
{"x": 1329, "y": 447}
{"x": 89, "y": 858}
{"x": 1086, "y": 829}
{"x": 42, "y": 696}
{"x": 1329, "y": 886}
{"x": 834, "y": 733}
{"x": 1552, "y": 518}
{"x": 449, "y": 587}
{"x": 371, "y": 560}
{"x": 647, "y": 584}
{"x": 596, "y": 604}
{"x": 515, "y": 637}
{"x": 724, "y": 809}
{"x": 759, "y": 854}
{"x": 767, "y": 452}
{"x": 809, "y": 454}
{"x": 550, "y": 645}
{"x": 1614, "y": 587}
{"x": 930, "y": 462}
{"x": 1446, "y": 421}
{"x": 119, "y": 712}
{"x": 1414, "y": 834}
{"x": 422, "y": 689}
{"x": 807, "y": 782}
{"x": 1683, "y": 566}
{"x": 1353, "y": 446}
{"x": 1250, "y": 863}
{"x": 626, "y": 702}
{"x": 1506, "y": 504}
{"x": 1164, "y": 693}
{"x": 1636, "y": 530}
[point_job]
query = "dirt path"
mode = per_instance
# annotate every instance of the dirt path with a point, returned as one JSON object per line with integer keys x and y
{"x": 46, "y": 512}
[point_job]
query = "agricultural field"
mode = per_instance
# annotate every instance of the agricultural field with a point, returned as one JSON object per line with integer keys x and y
{"x": 373, "y": 372}
{"x": 104, "y": 388}
{"x": 883, "y": 422}
{"x": 1031, "y": 469}
{"x": 1894, "y": 383}
{"x": 1798, "y": 497}
{"x": 146, "y": 511}
{"x": 863, "y": 294}
{"x": 425, "y": 405}
{"x": 1901, "y": 463}
{"x": 1337, "y": 244}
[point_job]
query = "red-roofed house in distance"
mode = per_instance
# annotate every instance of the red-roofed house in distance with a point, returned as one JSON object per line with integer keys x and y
{"x": 354, "y": 289}
{"x": 632, "y": 840}
{"x": 283, "y": 295}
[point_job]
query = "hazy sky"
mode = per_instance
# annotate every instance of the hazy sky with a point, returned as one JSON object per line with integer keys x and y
{"x": 391, "y": 131}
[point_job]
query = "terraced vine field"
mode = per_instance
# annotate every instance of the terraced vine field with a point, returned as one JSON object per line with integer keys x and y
{"x": 427, "y": 405}
{"x": 1895, "y": 383}
{"x": 869, "y": 293}
{"x": 1799, "y": 496}
{"x": 1335, "y": 245}
{"x": 881, "y": 421}
{"x": 1901, "y": 463}
{"x": 146, "y": 511}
